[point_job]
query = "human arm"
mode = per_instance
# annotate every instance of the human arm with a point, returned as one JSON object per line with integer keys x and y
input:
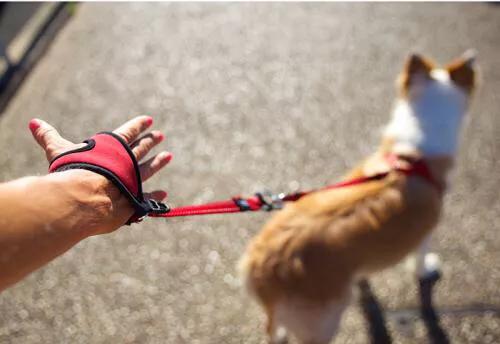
{"x": 42, "y": 217}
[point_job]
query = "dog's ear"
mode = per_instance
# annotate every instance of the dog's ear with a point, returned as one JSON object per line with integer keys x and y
{"x": 416, "y": 68}
{"x": 462, "y": 71}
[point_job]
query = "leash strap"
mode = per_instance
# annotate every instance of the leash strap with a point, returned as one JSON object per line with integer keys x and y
{"x": 234, "y": 205}
{"x": 268, "y": 201}
{"x": 260, "y": 201}
{"x": 109, "y": 155}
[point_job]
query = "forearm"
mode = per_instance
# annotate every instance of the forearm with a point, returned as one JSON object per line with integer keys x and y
{"x": 42, "y": 217}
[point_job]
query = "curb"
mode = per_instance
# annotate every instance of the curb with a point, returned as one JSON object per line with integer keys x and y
{"x": 21, "y": 55}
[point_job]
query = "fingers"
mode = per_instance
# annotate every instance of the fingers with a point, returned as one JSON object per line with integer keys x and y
{"x": 53, "y": 144}
{"x": 142, "y": 146}
{"x": 47, "y": 137}
{"x": 157, "y": 195}
{"x": 131, "y": 130}
{"x": 153, "y": 165}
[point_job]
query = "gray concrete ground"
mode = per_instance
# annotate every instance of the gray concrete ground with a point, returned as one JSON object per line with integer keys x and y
{"x": 249, "y": 95}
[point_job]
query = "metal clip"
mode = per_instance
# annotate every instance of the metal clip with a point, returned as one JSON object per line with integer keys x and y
{"x": 271, "y": 201}
{"x": 158, "y": 207}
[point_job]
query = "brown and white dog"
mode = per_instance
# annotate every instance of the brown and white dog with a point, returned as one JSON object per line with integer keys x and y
{"x": 302, "y": 265}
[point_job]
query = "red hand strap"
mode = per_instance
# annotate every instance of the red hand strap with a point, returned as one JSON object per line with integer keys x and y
{"x": 109, "y": 155}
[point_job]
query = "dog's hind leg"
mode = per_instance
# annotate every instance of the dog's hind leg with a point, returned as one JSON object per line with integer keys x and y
{"x": 312, "y": 322}
{"x": 427, "y": 263}
{"x": 427, "y": 269}
{"x": 373, "y": 313}
{"x": 276, "y": 334}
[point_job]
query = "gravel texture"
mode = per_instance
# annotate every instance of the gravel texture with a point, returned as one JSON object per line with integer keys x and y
{"x": 249, "y": 95}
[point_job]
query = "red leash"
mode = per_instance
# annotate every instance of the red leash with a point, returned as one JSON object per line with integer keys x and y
{"x": 268, "y": 202}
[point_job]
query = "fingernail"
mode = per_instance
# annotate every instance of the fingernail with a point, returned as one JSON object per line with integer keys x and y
{"x": 149, "y": 121}
{"x": 163, "y": 194}
{"x": 167, "y": 157}
{"x": 161, "y": 137}
{"x": 34, "y": 124}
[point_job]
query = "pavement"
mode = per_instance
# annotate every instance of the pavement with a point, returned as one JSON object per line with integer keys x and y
{"x": 249, "y": 96}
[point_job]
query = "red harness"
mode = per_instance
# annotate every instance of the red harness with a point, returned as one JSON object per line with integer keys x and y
{"x": 268, "y": 202}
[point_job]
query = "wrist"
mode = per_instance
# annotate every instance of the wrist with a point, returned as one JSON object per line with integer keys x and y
{"x": 94, "y": 183}
{"x": 99, "y": 206}
{"x": 82, "y": 184}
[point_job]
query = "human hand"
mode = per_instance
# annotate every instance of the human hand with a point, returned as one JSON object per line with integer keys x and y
{"x": 132, "y": 132}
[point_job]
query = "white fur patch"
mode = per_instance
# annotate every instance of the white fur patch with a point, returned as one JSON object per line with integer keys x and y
{"x": 432, "y": 263}
{"x": 315, "y": 323}
{"x": 441, "y": 75}
{"x": 423, "y": 266}
{"x": 404, "y": 128}
{"x": 431, "y": 120}
{"x": 281, "y": 336}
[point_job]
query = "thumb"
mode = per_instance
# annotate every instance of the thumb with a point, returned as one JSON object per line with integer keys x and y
{"x": 47, "y": 137}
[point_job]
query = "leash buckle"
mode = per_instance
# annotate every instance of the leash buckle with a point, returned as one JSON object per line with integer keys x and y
{"x": 271, "y": 201}
{"x": 158, "y": 207}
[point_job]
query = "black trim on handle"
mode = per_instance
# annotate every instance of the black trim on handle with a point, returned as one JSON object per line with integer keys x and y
{"x": 90, "y": 145}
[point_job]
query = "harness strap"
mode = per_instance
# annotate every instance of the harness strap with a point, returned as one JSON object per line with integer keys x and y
{"x": 418, "y": 167}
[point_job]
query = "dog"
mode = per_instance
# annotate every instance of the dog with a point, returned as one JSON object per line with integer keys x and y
{"x": 303, "y": 263}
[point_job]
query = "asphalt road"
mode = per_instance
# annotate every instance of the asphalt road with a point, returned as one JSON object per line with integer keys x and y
{"x": 249, "y": 95}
